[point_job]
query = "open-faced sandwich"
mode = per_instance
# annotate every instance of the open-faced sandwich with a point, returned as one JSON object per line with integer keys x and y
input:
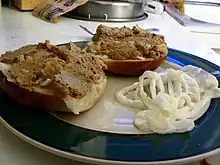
{"x": 63, "y": 78}
{"x": 128, "y": 51}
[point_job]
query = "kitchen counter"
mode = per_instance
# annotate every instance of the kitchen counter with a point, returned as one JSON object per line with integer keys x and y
{"x": 20, "y": 28}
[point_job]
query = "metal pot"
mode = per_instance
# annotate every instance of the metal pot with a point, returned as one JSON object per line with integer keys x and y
{"x": 116, "y": 11}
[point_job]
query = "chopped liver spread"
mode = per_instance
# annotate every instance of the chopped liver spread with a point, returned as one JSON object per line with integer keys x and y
{"x": 125, "y": 43}
{"x": 67, "y": 70}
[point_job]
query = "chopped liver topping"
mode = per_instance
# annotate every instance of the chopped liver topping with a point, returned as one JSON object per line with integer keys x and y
{"x": 125, "y": 43}
{"x": 67, "y": 70}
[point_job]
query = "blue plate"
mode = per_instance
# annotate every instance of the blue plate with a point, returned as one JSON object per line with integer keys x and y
{"x": 43, "y": 130}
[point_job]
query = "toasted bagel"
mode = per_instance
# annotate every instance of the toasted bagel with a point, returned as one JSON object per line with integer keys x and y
{"x": 42, "y": 95}
{"x": 128, "y": 51}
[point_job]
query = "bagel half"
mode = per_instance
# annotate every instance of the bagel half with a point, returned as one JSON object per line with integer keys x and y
{"x": 128, "y": 51}
{"x": 130, "y": 67}
{"x": 36, "y": 96}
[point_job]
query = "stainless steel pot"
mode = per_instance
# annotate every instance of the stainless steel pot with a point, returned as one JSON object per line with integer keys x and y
{"x": 117, "y": 11}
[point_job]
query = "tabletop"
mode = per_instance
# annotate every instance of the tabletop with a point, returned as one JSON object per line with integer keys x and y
{"x": 20, "y": 28}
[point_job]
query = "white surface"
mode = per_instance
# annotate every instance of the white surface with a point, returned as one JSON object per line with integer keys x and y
{"x": 206, "y": 13}
{"x": 17, "y": 29}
